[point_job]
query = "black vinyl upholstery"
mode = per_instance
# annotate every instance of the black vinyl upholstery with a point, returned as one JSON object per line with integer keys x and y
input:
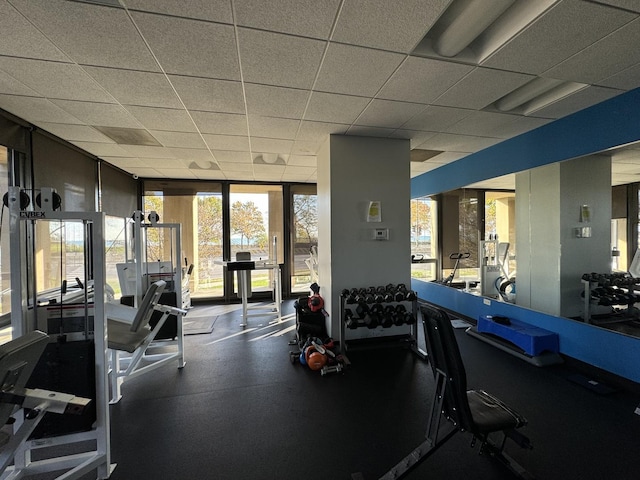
{"x": 475, "y": 411}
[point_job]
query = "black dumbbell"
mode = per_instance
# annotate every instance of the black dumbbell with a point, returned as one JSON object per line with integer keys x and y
{"x": 349, "y": 320}
{"x": 374, "y": 317}
{"x": 362, "y": 309}
{"x": 387, "y": 316}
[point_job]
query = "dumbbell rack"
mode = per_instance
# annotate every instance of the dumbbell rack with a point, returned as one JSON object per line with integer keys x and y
{"x": 609, "y": 290}
{"x": 401, "y": 334}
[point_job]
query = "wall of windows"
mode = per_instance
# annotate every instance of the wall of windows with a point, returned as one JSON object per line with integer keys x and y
{"x": 304, "y": 237}
{"x": 424, "y": 239}
{"x": 220, "y": 220}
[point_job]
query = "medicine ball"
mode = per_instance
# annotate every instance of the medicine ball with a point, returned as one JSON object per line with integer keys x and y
{"x": 315, "y": 360}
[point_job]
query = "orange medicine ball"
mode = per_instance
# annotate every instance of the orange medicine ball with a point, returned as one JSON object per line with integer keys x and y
{"x": 315, "y": 360}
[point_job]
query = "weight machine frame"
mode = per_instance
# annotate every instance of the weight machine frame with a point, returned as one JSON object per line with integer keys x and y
{"x": 22, "y": 245}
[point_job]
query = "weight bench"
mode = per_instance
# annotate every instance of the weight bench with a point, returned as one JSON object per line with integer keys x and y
{"x": 473, "y": 411}
{"x": 131, "y": 339}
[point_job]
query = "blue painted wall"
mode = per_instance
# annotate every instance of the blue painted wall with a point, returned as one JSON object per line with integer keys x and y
{"x": 610, "y": 351}
{"x": 609, "y": 124}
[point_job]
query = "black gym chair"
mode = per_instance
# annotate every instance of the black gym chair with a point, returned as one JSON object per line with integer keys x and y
{"x": 473, "y": 411}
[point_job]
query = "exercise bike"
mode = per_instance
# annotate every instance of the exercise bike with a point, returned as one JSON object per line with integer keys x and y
{"x": 457, "y": 257}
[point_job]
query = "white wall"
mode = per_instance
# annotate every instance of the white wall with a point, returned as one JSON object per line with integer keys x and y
{"x": 352, "y": 171}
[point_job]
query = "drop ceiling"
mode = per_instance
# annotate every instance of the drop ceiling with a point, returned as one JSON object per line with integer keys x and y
{"x": 248, "y": 90}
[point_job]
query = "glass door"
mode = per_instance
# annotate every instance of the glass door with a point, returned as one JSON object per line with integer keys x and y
{"x": 256, "y": 228}
{"x": 197, "y": 207}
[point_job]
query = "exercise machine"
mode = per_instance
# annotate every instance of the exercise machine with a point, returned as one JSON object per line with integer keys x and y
{"x": 457, "y": 257}
{"x": 87, "y": 450}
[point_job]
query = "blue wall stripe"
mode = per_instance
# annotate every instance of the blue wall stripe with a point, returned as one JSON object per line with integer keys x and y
{"x": 609, "y": 124}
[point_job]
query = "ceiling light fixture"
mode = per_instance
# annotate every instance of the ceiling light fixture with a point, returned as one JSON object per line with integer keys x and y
{"x": 527, "y": 92}
{"x": 204, "y": 165}
{"x": 537, "y": 94}
{"x": 471, "y": 18}
{"x": 553, "y": 95}
{"x": 269, "y": 159}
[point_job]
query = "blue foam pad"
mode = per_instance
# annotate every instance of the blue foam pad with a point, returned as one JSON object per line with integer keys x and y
{"x": 533, "y": 340}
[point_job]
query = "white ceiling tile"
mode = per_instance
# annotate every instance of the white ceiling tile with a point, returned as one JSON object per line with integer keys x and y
{"x": 458, "y": 143}
{"x": 125, "y": 163}
{"x": 220, "y": 123}
{"x": 417, "y": 137}
{"x": 153, "y": 118}
{"x": 275, "y": 101}
{"x": 11, "y": 86}
{"x": 370, "y": 131}
{"x": 436, "y": 119}
{"x": 192, "y": 154}
{"x": 632, "y": 5}
{"x": 600, "y": 60}
{"x": 299, "y": 170}
{"x": 387, "y": 113}
{"x": 446, "y": 157}
{"x": 276, "y": 59}
{"x": 482, "y": 87}
{"x": 316, "y": 132}
{"x": 584, "y": 98}
{"x": 518, "y": 126}
{"x": 80, "y": 133}
{"x": 272, "y": 170}
{"x": 283, "y": 128}
{"x": 270, "y": 145}
{"x": 191, "y": 47}
{"x": 356, "y": 70}
{"x": 333, "y": 108}
{"x": 144, "y": 151}
{"x": 239, "y": 176}
{"x": 385, "y": 26}
{"x": 90, "y": 34}
{"x": 100, "y": 149}
{"x": 145, "y": 172}
{"x": 179, "y": 139}
{"x": 21, "y": 39}
{"x": 487, "y": 124}
{"x": 236, "y": 166}
{"x": 226, "y": 157}
{"x": 563, "y": 31}
{"x": 422, "y": 80}
{"x": 627, "y": 79}
{"x": 55, "y": 80}
{"x": 34, "y": 109}
{"x": 159, "y": 163}
{"x": 214, "y": 10}
{"x": 303, "y": 161}
{"x": 307, "y": 147}
{"x": 182, "y": 173}
{"x": 99, "y": 114}
{"x": 136, "y": 88}
{"x": 227, "y": 142}
{"x": 205, "y": 94}
{"x": 306, "y": 18}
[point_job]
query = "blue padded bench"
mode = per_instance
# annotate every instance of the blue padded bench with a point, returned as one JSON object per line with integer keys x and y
{"x": 533, "y": 340}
